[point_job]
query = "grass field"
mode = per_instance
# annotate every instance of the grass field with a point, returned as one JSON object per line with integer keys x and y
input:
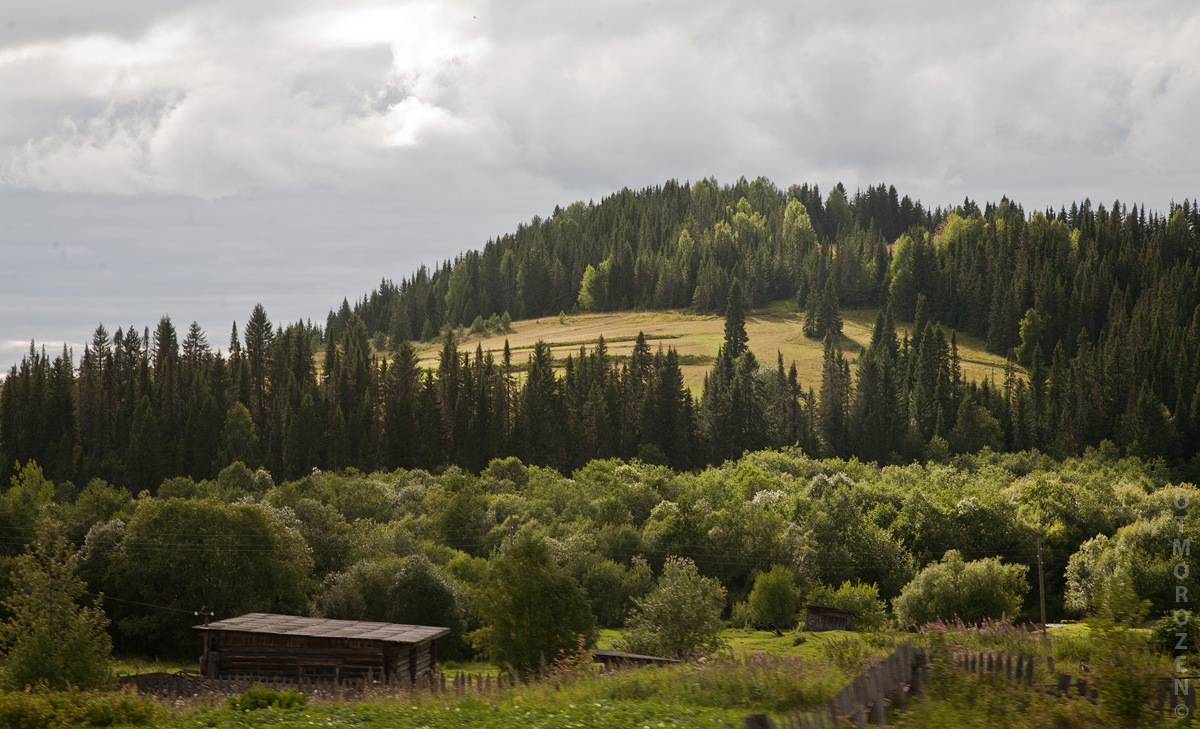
{"x": 778, "y": 328}
{"x": 757, "y": 671}
{"x": 130, "y": 664}
{"x": 747, "y": 640}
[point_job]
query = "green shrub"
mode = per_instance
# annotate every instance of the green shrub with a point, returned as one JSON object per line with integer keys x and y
{"x": 850, "y": 653}
{"x": 1122, "y": 665}
{"x": 862, "y": 600}
{"x": 57, "y": 710}
{"x": 530, "y": 608}
{"x": 739, "y": 615}
{"x": 969, "y": 591}
{"x": 409, "y": 590}
{"x": 53, "y": 639}
{"x": 1165, "y": 634}
{"x": 774, "y": 600}
{"x": 254, "y": 699}
{"x": 682, "y": 614}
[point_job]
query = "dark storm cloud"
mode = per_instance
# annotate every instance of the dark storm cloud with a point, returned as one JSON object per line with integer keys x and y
{"x": 196, "y": 157}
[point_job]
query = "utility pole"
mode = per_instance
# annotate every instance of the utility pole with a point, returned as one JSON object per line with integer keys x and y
{"x": 1041, "y": 583}
{"x": 205, "y": 612}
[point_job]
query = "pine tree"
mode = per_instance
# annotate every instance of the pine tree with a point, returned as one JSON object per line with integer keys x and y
{"x": 835, "y": 399}
{"x": 432, "y": 428}
{"x": 401, "y": 407}
{"x": 258, "y": 338}
{"x": 736, "y": 340}
{"x": 541, "y": 414}
{"x": 829, "y": 316}
{"x": 668, "y": 411}
{"x": 399, "y": 325}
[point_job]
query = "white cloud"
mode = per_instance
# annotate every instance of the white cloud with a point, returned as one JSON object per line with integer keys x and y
{"x": 217, "y": 99}
{"x": 384, "y": 134}
{"x": 209, "y": 104}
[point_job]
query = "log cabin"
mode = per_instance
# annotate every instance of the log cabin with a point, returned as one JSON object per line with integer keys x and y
{"x": 318, "y": 649}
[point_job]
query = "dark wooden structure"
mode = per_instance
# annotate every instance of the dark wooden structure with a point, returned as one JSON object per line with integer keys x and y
{"x": 620, "y": 659}
{"x": 818, "y": 618}
{"x": 318, "y": 649}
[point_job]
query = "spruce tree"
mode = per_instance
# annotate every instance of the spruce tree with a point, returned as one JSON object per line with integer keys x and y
{"x": 401, "y": 406}
{"x": 541, "y": 415}
{"x": 736, "y": 340}
{"x": 258, "y": 338}
{"x": 52, "y": 640}
{"x": 835, "y": 399}
{"x": 829, "y": 316}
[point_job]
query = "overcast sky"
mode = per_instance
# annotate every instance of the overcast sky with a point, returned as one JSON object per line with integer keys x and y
{"x": 193, "y": 158}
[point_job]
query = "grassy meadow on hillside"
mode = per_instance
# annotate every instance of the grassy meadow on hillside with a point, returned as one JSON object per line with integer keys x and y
{"x": 778, "y": 328}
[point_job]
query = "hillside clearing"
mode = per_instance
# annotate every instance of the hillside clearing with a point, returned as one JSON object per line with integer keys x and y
{"x": 697, "y": 337}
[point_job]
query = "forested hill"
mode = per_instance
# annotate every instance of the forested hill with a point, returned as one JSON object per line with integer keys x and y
{"x": 1101, "y": 302}
{"x": 680, "y": 246}
{"x": 673, "y": 246}
{"x": 1098, "y": 307}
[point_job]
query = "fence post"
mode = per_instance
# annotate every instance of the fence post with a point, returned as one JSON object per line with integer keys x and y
{"x": 1064, "y": 684}
{"x": 903, "y": 667}
{"x": 758, "y": 720}
{"x": 860, "y": 717}
{"x": 878, "y": 710}
{"x": 921, "y": 672}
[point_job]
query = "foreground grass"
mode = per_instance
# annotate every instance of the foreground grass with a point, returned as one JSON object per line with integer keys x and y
{"x": 715, "y": 691}
{"x": 462, "y": 714}
{"x": 759, "y": 671}
{"x": 957, "y": 700}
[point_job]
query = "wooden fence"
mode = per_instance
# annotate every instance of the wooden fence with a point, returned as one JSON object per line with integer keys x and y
{"x": 887, "y": 683}
{"x": 1166, "y": 694}
{"x": 1018, "y": 668}
{"x": 191, "y": 685}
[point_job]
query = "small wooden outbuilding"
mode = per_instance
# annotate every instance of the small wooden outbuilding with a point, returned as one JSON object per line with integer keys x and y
{"x": 318, "y": 649}
{"x": 622, "y": 659}
{"x": 818, "y": 618}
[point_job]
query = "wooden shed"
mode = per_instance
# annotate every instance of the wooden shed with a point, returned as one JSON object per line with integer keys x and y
{"x": 818, "y": 618}
{"x": 622, "y": 659}
{"x": 289, "y": 646}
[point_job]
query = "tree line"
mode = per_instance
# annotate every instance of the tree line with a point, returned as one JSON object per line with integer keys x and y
{"x": 754, "y": 538}
{"x": 1098, "y": 310}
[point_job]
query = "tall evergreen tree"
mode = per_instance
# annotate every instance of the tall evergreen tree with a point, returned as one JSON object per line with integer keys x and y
{"x": 736, "y": 340}
{"x": 835, "y": 399}
{"x": 258, "y": 338}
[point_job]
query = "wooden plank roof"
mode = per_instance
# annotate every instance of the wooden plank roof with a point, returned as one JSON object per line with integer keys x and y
{"x": 294, "y": 625}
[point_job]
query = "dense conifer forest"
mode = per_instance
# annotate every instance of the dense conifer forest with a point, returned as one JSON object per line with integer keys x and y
{"x": 1097, "y": 308}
